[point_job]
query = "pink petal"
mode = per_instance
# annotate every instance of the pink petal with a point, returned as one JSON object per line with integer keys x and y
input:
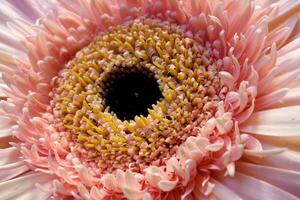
{"x": 286, "y": 10}
{"x": 288, "y": 62}
{"x": 291, "y": 46}
{"x": 251, "y": 188}
{"x": 28, "y": 8}
{"x": 292, "y": 98}
{"x": 222, "y": 192}
{"x": 167, "y": 186}
{"x": 285, "y": 179}
{"x": 268, "y": 100}
{"x": 24, "y": 187}
{"x": 281, "y": 34}
{"x": 288, "y": 159}
{"x": 84, "y": 193}
{"x": 276, "y": 122}
{"x": 12, "y": 170}
{"x": 263, "y": 153}
{"x": 290, "y": 142}
{"x": 9, "y": 155}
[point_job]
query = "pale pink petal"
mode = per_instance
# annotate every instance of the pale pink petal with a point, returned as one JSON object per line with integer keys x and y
{"x": 276, "y": 122}
{"x": 288, "y": 159}
{"x": 24, "y": 187}
{"x": 223, "y": 192}
{"x": 282, "y": 81}
{"x": 84, "y": 193}
{"x": 283, "y": 32}
{"x": 263, "y": 153}
{"x": 289, "y": 48}
{"x": 250, "y": 188}
{"x": 268, "y": 100}
{"x": 12, "y": 170}
{"x": 288, "y": 62}
{"x": 286, "y": 10}
{"x": 292, "y": 98}
{"x": 285, "y": 179}
{"x": 29, "y": 8}
{"x": 9, "y": 155}
{"x": 290, "y": 142}
{"x": 8, "y": 12}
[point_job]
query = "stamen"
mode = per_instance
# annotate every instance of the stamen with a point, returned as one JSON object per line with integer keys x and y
{"x": 131, "y": 97}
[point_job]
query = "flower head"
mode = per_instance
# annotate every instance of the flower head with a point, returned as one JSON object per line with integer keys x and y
{"x": 141, "y": 99}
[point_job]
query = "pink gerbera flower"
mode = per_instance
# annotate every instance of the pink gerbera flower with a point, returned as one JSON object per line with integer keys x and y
{"x": 146, "y": 99}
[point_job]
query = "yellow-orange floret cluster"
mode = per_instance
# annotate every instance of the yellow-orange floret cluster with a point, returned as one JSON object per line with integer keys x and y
{"x": 185, "y": 70}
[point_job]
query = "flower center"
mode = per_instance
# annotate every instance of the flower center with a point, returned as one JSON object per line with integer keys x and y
{"x": 129, "y": 93}
{"x": 132, "y": 96}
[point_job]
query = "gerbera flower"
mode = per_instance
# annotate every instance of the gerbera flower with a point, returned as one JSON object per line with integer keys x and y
{"x": 145, "y": 99}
